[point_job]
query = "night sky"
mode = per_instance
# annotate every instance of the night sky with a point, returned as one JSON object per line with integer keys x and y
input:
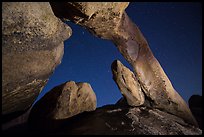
{"x": 174, "y": 34}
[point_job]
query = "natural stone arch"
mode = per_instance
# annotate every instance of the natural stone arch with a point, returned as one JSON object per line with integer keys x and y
{"x": 111, "y": 22}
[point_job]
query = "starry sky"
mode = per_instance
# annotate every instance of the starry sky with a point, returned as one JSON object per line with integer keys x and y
{"x": 174, "y": 34}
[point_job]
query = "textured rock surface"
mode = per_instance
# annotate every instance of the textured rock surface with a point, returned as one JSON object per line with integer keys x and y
{"x": 100, "y": 18}
{"x": 128, "y": 84}
{"x": 62, "y": 102}
{"x": 152, "y": 78}
{"x": 27, "y": 37}
{"x": 135, "y": 49}
{"x": 118, "y": 119}
{"x": 195, "y": 104}
{"x": 32, "y": 46}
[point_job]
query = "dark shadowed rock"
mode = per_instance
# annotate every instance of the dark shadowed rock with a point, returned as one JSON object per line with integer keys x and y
{"x": 32, "y": 46}
{"x": 20, "y": 120}
{"x": 62, "y": 102}
{"x": 195, "y": 104}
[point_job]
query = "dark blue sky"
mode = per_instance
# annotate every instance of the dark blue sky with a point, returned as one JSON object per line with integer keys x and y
{"x": 174, "y": 34}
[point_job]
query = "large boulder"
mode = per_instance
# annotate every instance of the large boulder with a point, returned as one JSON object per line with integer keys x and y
{"x": 128, "y": 84}
{"x": 32, "y": 46}
{"x": 62, "y": 102}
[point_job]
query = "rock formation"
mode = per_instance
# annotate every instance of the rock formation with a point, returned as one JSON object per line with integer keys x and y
{"x": 62, "y": 102}
{"x": 152, "y": 78}
{"x": 130, "y": 88}
{"x": 111, "y": 23}
{"x": 118, "y": 119}
{"x": 32, "y": 46}
{"x": 128, "y": 84}
{"x": 100, "y": 18}
{"x": 195, "y": 105}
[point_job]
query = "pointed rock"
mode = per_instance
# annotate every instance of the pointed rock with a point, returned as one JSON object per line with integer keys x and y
{"x": 128, "y": 84}
{"x": 62, "y": 102}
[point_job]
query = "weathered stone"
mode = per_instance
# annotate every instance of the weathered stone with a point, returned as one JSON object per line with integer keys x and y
{"x": 115, "y": 25}
{"x": 128, "y": 84}
{"x": 32, "y": 46}
{"x": 62, "y": 102}
{"x": 119, "y": 119}
{"x": 152, "y": 78}
{"x": 116, "y": 120}
{"x": 100, "y": 18}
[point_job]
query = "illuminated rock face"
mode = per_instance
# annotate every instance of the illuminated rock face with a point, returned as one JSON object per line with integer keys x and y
{"x": 62, "y": 102}
{"x": 32, "y": 46}
{"x": 128, "y": 84}
{"x": 115, "y": 25}
{"x": 152, "y": 78}
{"x": 100, "y": 18}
